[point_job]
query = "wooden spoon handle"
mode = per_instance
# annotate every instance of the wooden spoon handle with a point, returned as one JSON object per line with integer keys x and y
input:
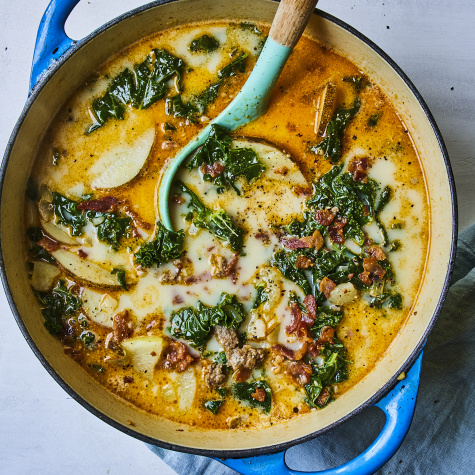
{"x": 290, "y": 20}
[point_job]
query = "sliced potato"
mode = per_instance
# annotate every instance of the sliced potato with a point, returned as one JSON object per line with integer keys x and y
{"x": 144, "y": 353}
{"x": 58, "y": 234}
{"x": 85, "y": 270}
{"x": 343, "y": 294}
{"x": 186, "y": 388}
{"x": 99, "y": 307}
{"x": 325, "y": 108}
{"x": 122, "y": 163}
{"x": 43, "y": 276}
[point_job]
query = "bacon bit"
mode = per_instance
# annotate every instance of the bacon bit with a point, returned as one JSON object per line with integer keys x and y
{"x": 370, "y": 265}
{"x": 311, "y": 307}
{"x": 259, "y": 395}
{"x": 359, "y": 167}
{"x": 300, "y": 372}
{"x": 365, "y": 210}
{"x": 326, "y": 335}
{"x": 323, "y": 397}
{"x": 302, "y": 190}
{"x": 222, "y": 269}
{"x": 324, "y": 216}
{"x": 313, "y": 241}
{"x": 295, "y": 243}
{"x": 107, "y": 203}
{"x": 179, "y": 200}
{"x": 317, "y": 240}
{"x": 376, "y": 252}
{"x": 128, "y": 379}
{"x": 48, "y": 244}
{"x": 326, "y": 286}
{"x": 283, "y": 170}
{"x": 73, "y": 353}
{"x": 242, "y": 374}
{"x": 214, "y": 169}
{"x": 262, "y": 236}
{"x": 138, "y": 221}
{"x": 364, "y": 277}
{"x": 288, "y": 353}
{"x": 177, "y": 299}
{"x": 121, "y": 326}
{"x": 303, "y": 262}
{"x": 296, "y": 318}
{"x": 314, "y": 348}
{"x": 177, "y": 357}
{"x": 82, "y": 254}
{"x": 335, "y": 231}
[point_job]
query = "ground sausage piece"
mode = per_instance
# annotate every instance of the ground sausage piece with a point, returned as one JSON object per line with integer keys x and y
{"x": 226, "y": 337}
{"x": 121, "y": 326}
{"x": 107, "y": 203}
{"x": 300, "y": 372}
{"x": 214, "y": 375}
{"x": 222, "y": 268}
{"x": 324, "y": 216}
{"x": 259, "y": 395}
{"x": 377, "y": 253}
{"x": 376, "y": 272}
{"x": 326, "y": 286}
{"x": 178, "y": 357}
{"x": 245, "y": 357}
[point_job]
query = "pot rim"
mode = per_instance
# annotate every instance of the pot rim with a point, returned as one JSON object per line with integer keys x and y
{"x": 244, "y": 453}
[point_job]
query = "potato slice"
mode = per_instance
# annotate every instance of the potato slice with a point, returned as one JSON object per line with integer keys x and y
{"x": 144, "y": 353}
{"x": 43, "y": 276}
{"x": 343, "y": 294}
{"x": 122, "y": 163}
{"x": 58, "y": 234}
{"x": 325, "y": 107}
{"x": 85, "y": 270}
{"x": 186, "y": 388}
{"x": 99, "y": 307}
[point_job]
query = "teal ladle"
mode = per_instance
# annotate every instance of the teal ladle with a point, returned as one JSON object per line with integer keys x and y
{"x": 252, "y": 100}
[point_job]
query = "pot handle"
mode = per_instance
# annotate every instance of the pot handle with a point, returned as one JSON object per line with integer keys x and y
{"x": 51, "y": 40}
{"x": 398, "y": 406}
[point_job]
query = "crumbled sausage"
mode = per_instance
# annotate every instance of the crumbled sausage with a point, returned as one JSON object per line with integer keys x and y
{"x": 221, "y": 268}
{"x": 376, "y": 252}
{"x": 359, "y": 167}
{"x": 177, "y": 356}
{"x": 226, "y": 337}
{"x": 311, "y": 306}
{"x": 372, "y": 270}
{"x": 214, "y": 375}
{"x": 122, "y": 326}
{"x": 245, "y": 357}
{"x": 259, "y": 394}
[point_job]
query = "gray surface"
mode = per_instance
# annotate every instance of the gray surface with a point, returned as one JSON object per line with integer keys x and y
{"x": 43, "y": 430}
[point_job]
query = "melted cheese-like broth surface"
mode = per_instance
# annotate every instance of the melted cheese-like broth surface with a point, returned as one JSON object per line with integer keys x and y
{"x": 126, "y": 158}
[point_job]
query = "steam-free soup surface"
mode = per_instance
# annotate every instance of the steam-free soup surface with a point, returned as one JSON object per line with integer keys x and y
{"x": 299, "y": 240}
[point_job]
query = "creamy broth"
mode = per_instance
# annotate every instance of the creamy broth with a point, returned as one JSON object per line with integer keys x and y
{"x": 119, "y": 323}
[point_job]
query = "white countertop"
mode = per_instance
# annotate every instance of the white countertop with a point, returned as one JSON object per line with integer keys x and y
{"x": 43, "y": 430}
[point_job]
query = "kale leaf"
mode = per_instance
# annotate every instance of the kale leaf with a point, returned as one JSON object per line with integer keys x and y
{"x": 237, "y": 162}
{"x": 167, "y": 245}
{"x": 177, "y": 108}
{"x": 237, "y": 65}
{"x": 383, "y": 201}
{"x": 120, "y": 277}
{"x": 326, "y": 317}
{"x": 217, "y": 222}
{"x": 57, "y": 304}
{"x": 204, "y": 44}
{"x": 68, "y": 214}
{"x": 110, "y": 227}
{"x": 195, "y": 324}
{"x": 244, "y": 391}
{"x": 261, "y": 296}
{"x": 374, "y": 119}
{"x": 213, "y": 405}
{"x": 285, "y": 262}
{"x": 143, "y": 86}
{"x": 330, "y": 146}
{"x": 358, "y": 82}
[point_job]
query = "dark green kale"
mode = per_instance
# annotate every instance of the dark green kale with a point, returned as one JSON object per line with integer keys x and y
{"x": 34, "y": 233}
{"x": 383, "y": 201}
{"x": 213, "y": 405}
{"x": 68, "y": 214}
{"x": 374, "y": 119}
{"x": 395, "y": 245}
{"x": 32, "y": 189}
{"x": 204, "y": 44}
{"x": 56, "y": 305}
{"x": 110, "y": 228}
{"x": 141, "y": 88}
{"x": 88, "y": 338}
{"x": 120, "y": 277}
{"x": 261, "y": 296}
{"x": 205, "y": 98}
{"x": 237, "y": 162}
{"x": 285, "y": 262}
{"x": 221, "y": 391}
{"x": 333, "y": 370}
{"x": 358, "y": 82}
{"x": 330, "y": 146}
{"x": 167, "y": 245}
{"x": 244, "y": 392}
{"x": 169, "y": 126}
{"x": 177, "y": 108}
{"x": 395, "y": 302}
{"x": 326, "y": 317}
{"x": 196, "y": 324}
{"x": 247, "y": 25}
{"x": 237, "y": 65}
{"x": 220, "y": 358}
{"x": 217, "y": 222}
{"x": 37, "y": 253}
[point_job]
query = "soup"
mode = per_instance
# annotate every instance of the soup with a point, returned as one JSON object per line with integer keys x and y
{"x": 298, "y": 241}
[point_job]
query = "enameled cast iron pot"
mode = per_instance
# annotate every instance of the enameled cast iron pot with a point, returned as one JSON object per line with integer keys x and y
{"x": 60, "y": 67}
